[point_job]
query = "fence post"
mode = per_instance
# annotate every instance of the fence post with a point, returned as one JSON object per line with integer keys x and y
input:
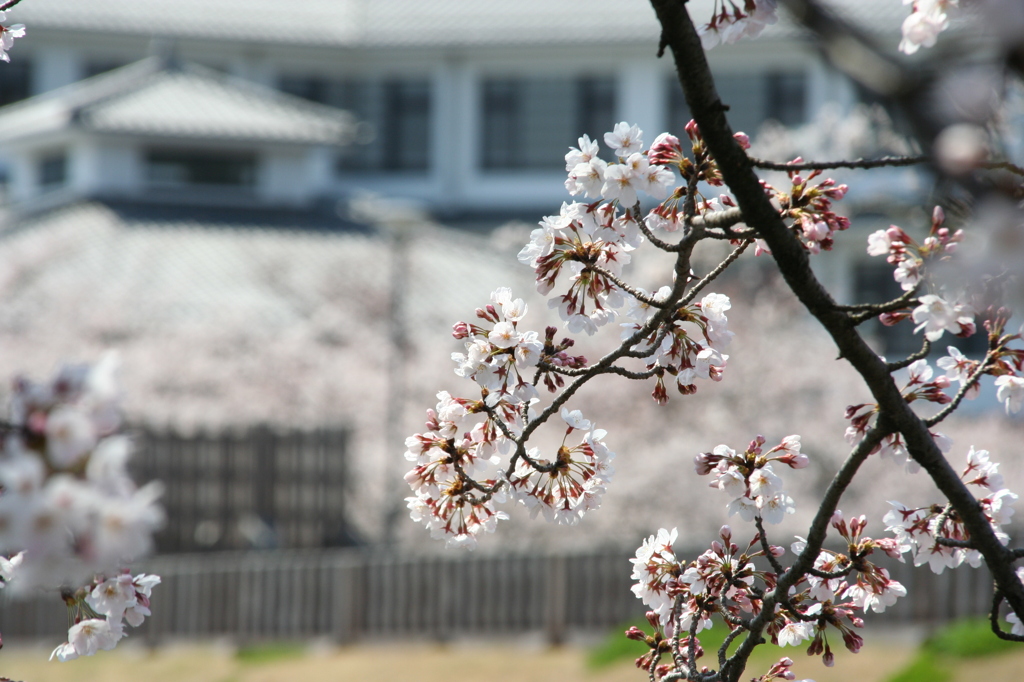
{"x": 556, "y": 594}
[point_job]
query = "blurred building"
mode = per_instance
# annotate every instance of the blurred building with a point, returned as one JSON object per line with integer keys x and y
{"x": 466, "y": 106}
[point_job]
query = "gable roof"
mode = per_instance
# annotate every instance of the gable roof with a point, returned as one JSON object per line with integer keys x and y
{"x": 156, "y": 97}
{"x": 398, "y": 23}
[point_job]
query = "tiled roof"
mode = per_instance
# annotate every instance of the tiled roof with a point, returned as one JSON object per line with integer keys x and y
{"x": 396, "y": 23}
{"x": 154, "y": 98}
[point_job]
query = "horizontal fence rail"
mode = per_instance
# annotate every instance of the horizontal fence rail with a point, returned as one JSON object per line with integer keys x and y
{"x": 348, "y": 594}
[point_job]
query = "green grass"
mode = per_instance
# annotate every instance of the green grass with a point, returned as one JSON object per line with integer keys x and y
{"x": 270, "y": 651}
{"x": 964, "y": 639}
{"x": 615, "y": 647}
{"x": 924, "y": 668}
{"x": 971, "y": 638}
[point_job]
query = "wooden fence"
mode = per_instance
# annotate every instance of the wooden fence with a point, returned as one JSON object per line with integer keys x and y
{"x": 255, "y": 488}
{"x": 349, "y": 595}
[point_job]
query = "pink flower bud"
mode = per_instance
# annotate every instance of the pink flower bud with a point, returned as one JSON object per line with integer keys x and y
{"x": 743, "y": 140}
{"x": 653, "y": 618}
{"x": 636, "y": 633}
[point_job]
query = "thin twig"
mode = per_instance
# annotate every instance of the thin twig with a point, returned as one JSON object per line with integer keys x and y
{"x": 710, "y": 277}
{"x": 1004, "y": 165}
{"x": 9, "y": 4}
{"x": 765, "y": 547}
{"x": 962, "y": 393}
{"x": 891, "y": 161}
{"x": 619, "y": 282}
{"x": 867, "y": 311}
{"x": 926, "y": 348}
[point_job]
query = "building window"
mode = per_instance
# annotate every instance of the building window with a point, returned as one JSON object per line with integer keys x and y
{"x": 502, "y": 125}
{"x": 873, "y": 282}
{"x": 531, "y": 123}
{"x": 405, "y": 126}
{"x": 53, "y": 171}
{"x": 397, "y": 111}
{"x": 678, "y": 111}
{"x": 753, "y": 99}
{"x": 787, "y": 98}
{"x": 595, "y": 107}
{"x": 223, "y": 169}
{"x": 15, "y": 79}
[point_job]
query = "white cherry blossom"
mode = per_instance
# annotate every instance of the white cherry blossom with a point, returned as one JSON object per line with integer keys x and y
{"x": 624, "y": 139}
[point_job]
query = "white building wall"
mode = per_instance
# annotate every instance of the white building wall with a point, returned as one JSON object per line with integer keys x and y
{"x": 283, "y": 176}
{"x": 642, "y": 97}
{"x": 54, "y": 66}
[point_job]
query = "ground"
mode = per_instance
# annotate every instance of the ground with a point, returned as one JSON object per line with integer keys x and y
{"x": 462, "y": 662}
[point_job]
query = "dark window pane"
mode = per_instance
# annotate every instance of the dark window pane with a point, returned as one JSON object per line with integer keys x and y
{"x": 678, "y": 112}
{"x": 531, "y": 123}
{"x": 787, "y": 98}
{"x": 53, "y": 170}
{"x": 406, "y": 125}
{"x": 307, "y": 87}
{"x": 744, "y": 94}
{"x": 501, "y": 124}
{"x": 396, "y": 114}
{"x": 595, "y": 114}
{"x": 201, "y": 168}
{"x": 15, "y": 78}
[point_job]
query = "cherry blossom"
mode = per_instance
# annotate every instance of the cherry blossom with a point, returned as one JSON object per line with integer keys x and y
{"x": 625, "y": 139}
{"x": 925, "y": 23}
{"x": 935, "y": 316}
{"x": 7, "y": 36}
{"x": 750, "y": 480}
{"x": 735, "y": 21}
{"x": 1010, "y": 392}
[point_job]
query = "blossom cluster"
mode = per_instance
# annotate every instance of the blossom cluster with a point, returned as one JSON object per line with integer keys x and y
{"x": 841, "y": 588}
{"x": 919, "y": 386}
{"x": 7, "y": 36}
{"x": 725, "y": 582}
{"x": 457, "y": 482}
{"x": 68, "y": 502}
{"x": 748, "y": 477}
{"x": 574, "y": 482}
{"x": 809, "y": 205}
{"x": 901, "y": 250}
{"x": 733, "y": 21}
{"x": 920, "y": 531}
{"x": 99, "y": 614}
{"x": 688, "y": 347}
{"x": 928, "y": 19}
{"x": 69, "y": 512}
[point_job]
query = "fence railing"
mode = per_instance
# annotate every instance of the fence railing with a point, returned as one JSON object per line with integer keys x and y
{"x": 349, "y": 595}
{"x": 254, "y": 488}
